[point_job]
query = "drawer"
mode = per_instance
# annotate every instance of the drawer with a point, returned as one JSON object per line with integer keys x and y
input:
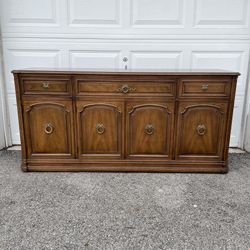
{"x": 46, "y": 86}
{"x": 205, "y": 87}
{"x": 128, "y": 88}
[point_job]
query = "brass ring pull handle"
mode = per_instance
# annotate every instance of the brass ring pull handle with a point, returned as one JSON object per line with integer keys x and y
{"x": 204, "y": 87}
{"x": 149, "y": 129}
{"x": 100, "y": 129}
{"x": 49, "y": 128}
{"x": 125, "y": 89}
{"x": 201, "y": 129}
{"x": 45, "y": 85}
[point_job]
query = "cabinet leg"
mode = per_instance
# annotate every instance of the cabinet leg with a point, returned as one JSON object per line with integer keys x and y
{"x": 24, "y": 167}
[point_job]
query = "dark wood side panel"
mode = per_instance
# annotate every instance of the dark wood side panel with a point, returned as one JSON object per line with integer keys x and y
{"x": 21, "y": 122}
{"x": 230, "y": 117}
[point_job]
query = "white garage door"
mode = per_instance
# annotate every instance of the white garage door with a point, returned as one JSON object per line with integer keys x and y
{"x": 164, "y": 34}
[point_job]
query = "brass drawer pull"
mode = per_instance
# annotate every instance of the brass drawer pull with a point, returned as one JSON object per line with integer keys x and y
{"x": 45, "y": 85}
{"x": 125, "y": 89}
{"x": 149, "y": 129}
{"x": 201, "y": 129}
{"x": 204, "y": 87}
{"x": 100, "y": 129}
{"x": 49, "y": 128}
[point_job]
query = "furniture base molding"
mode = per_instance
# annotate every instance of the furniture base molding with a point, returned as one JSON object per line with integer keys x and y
{"x": 131, "y": 167}
{"x": 124, "y": 120}
{"x": 24, "y": 167}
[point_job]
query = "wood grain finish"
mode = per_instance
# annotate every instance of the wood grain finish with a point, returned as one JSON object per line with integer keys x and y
{"x": 211, "y": 86}
{"x": 149, "y": 127}
{"x": 99, "y": 128}
{"x": 126, "y": 87}
{"x": 48, "y": 128}
{"x": 125, "y": 121}
{"x": 46, "y": 85}
{"x": 201, "y": 129}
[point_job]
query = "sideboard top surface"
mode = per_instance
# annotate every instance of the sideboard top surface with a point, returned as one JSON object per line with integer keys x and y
{"x": 127, "y": 72}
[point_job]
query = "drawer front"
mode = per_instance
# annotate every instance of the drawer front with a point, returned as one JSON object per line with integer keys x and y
{"x": 46, "y": 86}
{"x": 126, "y": 88}
{"x": 205, "y": 87}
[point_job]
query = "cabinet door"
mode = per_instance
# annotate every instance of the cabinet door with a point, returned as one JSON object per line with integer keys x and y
{"x": 149, "y": 129}
{"x": 49, "y": 129}
{"x": 99, "y": 128}
{"x": 201, "y": 130}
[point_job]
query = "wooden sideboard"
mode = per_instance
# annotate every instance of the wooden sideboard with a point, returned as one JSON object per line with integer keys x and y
{"x": 124, "y": 120}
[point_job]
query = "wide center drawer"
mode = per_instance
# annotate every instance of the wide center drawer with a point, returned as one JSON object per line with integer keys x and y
{"x": 126, "y": 87}
{"x": 46, "y": 86}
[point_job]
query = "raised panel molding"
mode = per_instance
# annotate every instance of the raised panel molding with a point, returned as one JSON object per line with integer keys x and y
{"x": 160, "y": 12}
{"x": 87, "y": 115}
{"x": 226, "y": 60}
{"x": 59, "y": 116}
{"x": 143, "y": 19}
{"x": 94, "y": 59}
{"x": 31, "y": 13}
{"x": 223, "y": 13}
{"x": 28, "y": 58}
{"x": 139, "y": 113}
{"x": 86, "y": 13}
{"x": 156, "y": 59}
